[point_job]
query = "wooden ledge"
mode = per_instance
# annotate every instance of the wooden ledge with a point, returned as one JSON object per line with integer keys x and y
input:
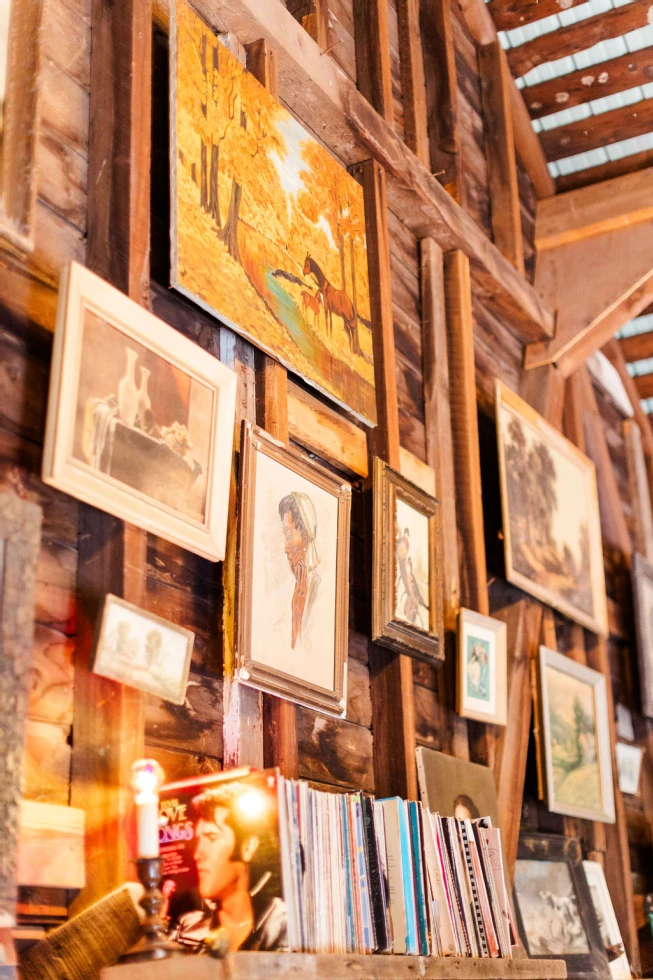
{"x": 293, "y": 966}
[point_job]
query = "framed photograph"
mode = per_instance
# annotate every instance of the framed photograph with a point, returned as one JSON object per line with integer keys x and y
{"x": 482, "y": 676}
{"x": 624, "y": 722}
{"x": 456, "y": 788}
{"x": 629, "y": 767}
{"x": 293, "y": 575}
{"x": 141, "y": 650}
{"x": 268, "y": 229}
{"x": 551, "y": 524}
{"x": 140, "y": 420}
{"x": 406, "y": 566}
{"x": 574, "y": 738}
{"x": 643, "y": 603}
{"x": 555, "y": 914}
{"x": 608, "y": 925}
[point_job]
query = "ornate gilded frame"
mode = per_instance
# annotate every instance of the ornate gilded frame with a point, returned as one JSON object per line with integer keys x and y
{"x": 387, "y": 487}
{"x": 249, "y": 670}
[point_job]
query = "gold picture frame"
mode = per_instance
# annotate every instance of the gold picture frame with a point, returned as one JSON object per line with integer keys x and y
{"x": 292, "y": 596}
{"x": 482, "y": 675}
{"x": 407, "y": 614}
{"x": 153, "y": 449}
{"x": 550, "y": 552}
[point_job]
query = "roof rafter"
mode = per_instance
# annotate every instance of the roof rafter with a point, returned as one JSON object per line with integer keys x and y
{"x": 637, "y": 348}
{"x": 597, "y": 131}
{"x": 508, "y": 14}
{"x": 605, "y": 171}
{"x": 644, "y": 385}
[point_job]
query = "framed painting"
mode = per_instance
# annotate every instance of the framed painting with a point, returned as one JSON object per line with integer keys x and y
{"x": 406, "y": 566}
{"x": 574, "y": 738}
{"x": 140, "y": 420}
{"x": 551, "y": 524}
{"x": 141, "y": 650}
{"x": 629, "y": 767}
{"x": 268, "y": 229}
{"x": 456, "y": 788}
{"x": 482, "y": 675}
{"x": 608, "y": 925}
{"x": 293, "y": 575}
{"x": 555, "y": 914}
{"x": 643, "y": 603}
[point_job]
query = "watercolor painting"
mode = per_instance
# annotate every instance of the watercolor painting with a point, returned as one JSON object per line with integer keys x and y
{"x": 482, "y": 681}
{"x": 412, "y": 588}
{"x": 268, "y": 229}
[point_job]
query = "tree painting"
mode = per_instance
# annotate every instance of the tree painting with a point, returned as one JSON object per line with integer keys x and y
{"x": 268, "y": 229}
{"x": 573, "y": 748}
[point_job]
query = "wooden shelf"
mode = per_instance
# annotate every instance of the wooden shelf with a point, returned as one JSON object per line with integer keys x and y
{"x": 293, "y": 966}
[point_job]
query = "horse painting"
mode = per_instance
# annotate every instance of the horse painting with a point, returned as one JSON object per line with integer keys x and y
{"x": 334, "y": 301}
{"x": 313, "y": 303}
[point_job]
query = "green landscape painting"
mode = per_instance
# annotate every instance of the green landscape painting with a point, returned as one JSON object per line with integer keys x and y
{"x": 574, "y": 747}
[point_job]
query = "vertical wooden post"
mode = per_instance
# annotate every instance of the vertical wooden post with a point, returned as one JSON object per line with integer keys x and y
{"x": 413, "y": 83}
{"x": 108, "y": 718}
{"x": 639, "y": 491}
{"x": 500, "y": 152}
{"x": 373, "y": 55}
{"x": 317, "y": 23}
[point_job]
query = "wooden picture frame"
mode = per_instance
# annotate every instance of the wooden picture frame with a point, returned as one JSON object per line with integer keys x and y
{"x": 395, "y": 625}
{"x": 553, "y": 555}
{"x": 167, "y": 472}
{"x": 20, "y": 538}
{"x": 156, "y": 653}
{"x": 629, "y": 767}
{"x": 554, "y": 907}
{"x": 608, "y": 925}
{"x": 482, "y": 695}
{"x": 571, "y": 700}
{"x": 642, "y": 573}
{"x": 292, "y": 594}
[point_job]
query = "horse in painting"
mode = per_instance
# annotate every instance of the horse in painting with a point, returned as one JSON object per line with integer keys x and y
{"x": 334, "y": 301}
{"x": 313, "y": 303}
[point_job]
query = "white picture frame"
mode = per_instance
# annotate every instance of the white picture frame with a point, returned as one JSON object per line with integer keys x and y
{"x": 171, "y": 479}
{"x": 629, "y": 767}
{"x": 598, "y": 886}
{"x": 482, "y": 687}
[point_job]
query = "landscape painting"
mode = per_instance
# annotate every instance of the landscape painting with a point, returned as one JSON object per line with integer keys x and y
{"x": 575, "y": 738}
{"x": 268, "y": 229}
{"x": 552, "y": 529}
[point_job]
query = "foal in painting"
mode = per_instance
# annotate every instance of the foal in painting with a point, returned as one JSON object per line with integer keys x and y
{"x": 313, "y": 303}
{"x": 334, "y": 301}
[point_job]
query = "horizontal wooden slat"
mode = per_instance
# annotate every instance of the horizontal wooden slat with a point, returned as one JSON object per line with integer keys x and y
{"x": 644, "y": 385}
{"x": 320, "y": 429}
{"x": 605, "y": 171}
{"x": 638, "y": 347}
{"x": 578, "y": 37}
{"x": 596, "y": 131}
{"x": 51, "y": 849}
{"x": 594, "y": 210}
{"x": 508, "y": 14}
{"x": 578, "y": 87}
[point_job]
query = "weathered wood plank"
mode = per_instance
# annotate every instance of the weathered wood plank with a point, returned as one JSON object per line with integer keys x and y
{"x": 607, "y": 128}
{"x": 604, "y": 171}
{"x": 334, "y": 751}
{"x": 413, "y": 84}
{"x": 373, "y": 55}
{"x": 508, "y": 14}
{"x": 642, "y": 532}
{"x": 320, "y": 429}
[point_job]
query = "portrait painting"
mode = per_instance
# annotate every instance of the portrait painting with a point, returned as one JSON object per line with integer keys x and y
{"x": 141, "y": 650}
{"x": 407, "y": 588}
{"x": 268, "y": 229}
{"x": 642, "y": 571}
{"x": 574, "y": 738}
{"x": 293, "y": 574}
{"x": 482, "y": 676}
{"x": 555, "y": 914}
{"x": 607, "y": 920}
{"x": 456, "y": 788}
{"x": 140, "y": 419}
{"x": 629, "y": 767}
{"x": 551, "y": 524}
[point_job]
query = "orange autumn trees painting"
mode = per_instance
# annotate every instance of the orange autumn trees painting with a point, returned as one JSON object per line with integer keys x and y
{"x": 268, "y": 230}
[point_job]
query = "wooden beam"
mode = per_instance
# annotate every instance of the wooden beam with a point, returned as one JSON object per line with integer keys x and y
{"x": 314, "y": 87}
{"x": 596, "y": 285}
{"x": 613, "y": 352}
{"x": 640, "y": 494}
{"x": 373, "y": 69}
{"x": 319, "y": 428}
{"x": 598, "y": 131}
{"x": 316, "y": 22}
{"x": 638, "y": 347}
{"x": 573, "y": 412}
{"x": 505, "y": 205}
{"x": 509, "y": 14}
{"x": 444, "y": 133}
{"x": 598, "y": 81}
{"x": 605, "y": 171}
{"x": 413, "y": 84}
{"x": 544, "y": 390}
{"x": 595, "y": 210}
{"x": 567, "y": 41}
{"x": 644, "y": 385}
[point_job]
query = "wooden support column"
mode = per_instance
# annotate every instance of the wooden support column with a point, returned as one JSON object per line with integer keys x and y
{"x": 413, "y": 83}
{"x": 373, "y": 69}
{"x": 613, "y": 352}
{"x": 391, "y": 674}
{"x": 639, "y": 489}
{"x": 317, "y": 23}
{"x": 500, "y": 152}
{"x": 442, "y": 96}
{"x": 108, "y": 727}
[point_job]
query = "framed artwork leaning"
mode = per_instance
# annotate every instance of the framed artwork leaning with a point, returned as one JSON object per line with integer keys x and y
{"x": 482, "y": 674}
{"x": 551, "y": 524}
{"x": 629, "y": 767}
{"x": 140, "y": 419}
{"x": 554, "y": 909}
{"x": 268, "y": 229}
{"x": 573, "y": 738}
{"x": 141, "y": 650}
{"x": 456, "y": 788}
{"x": 608, "y": 925}
{"x": 643, "y": 603}
{"x": 292, "y": 597}
{"x": 406, "y": 566}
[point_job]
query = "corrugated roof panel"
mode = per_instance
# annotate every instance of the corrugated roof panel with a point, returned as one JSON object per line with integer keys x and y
{"x": 520, "y": 35}
{"x": 640, "y": 324}
{"x": 594, "y": 158}
{"x": 637, "y": 368}
{"x": 647, "y": 405}
{"x": 613, "y": 47}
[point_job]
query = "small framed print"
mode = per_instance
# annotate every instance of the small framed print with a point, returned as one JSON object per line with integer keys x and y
{"x": 629, "y": 766}
{"x": 140, "y": 419}
{"x": 293, "y": 575}
{"x": 141, "y": 650}
{"x": 482, "y": 681}
{"x": 406, "y": 586}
